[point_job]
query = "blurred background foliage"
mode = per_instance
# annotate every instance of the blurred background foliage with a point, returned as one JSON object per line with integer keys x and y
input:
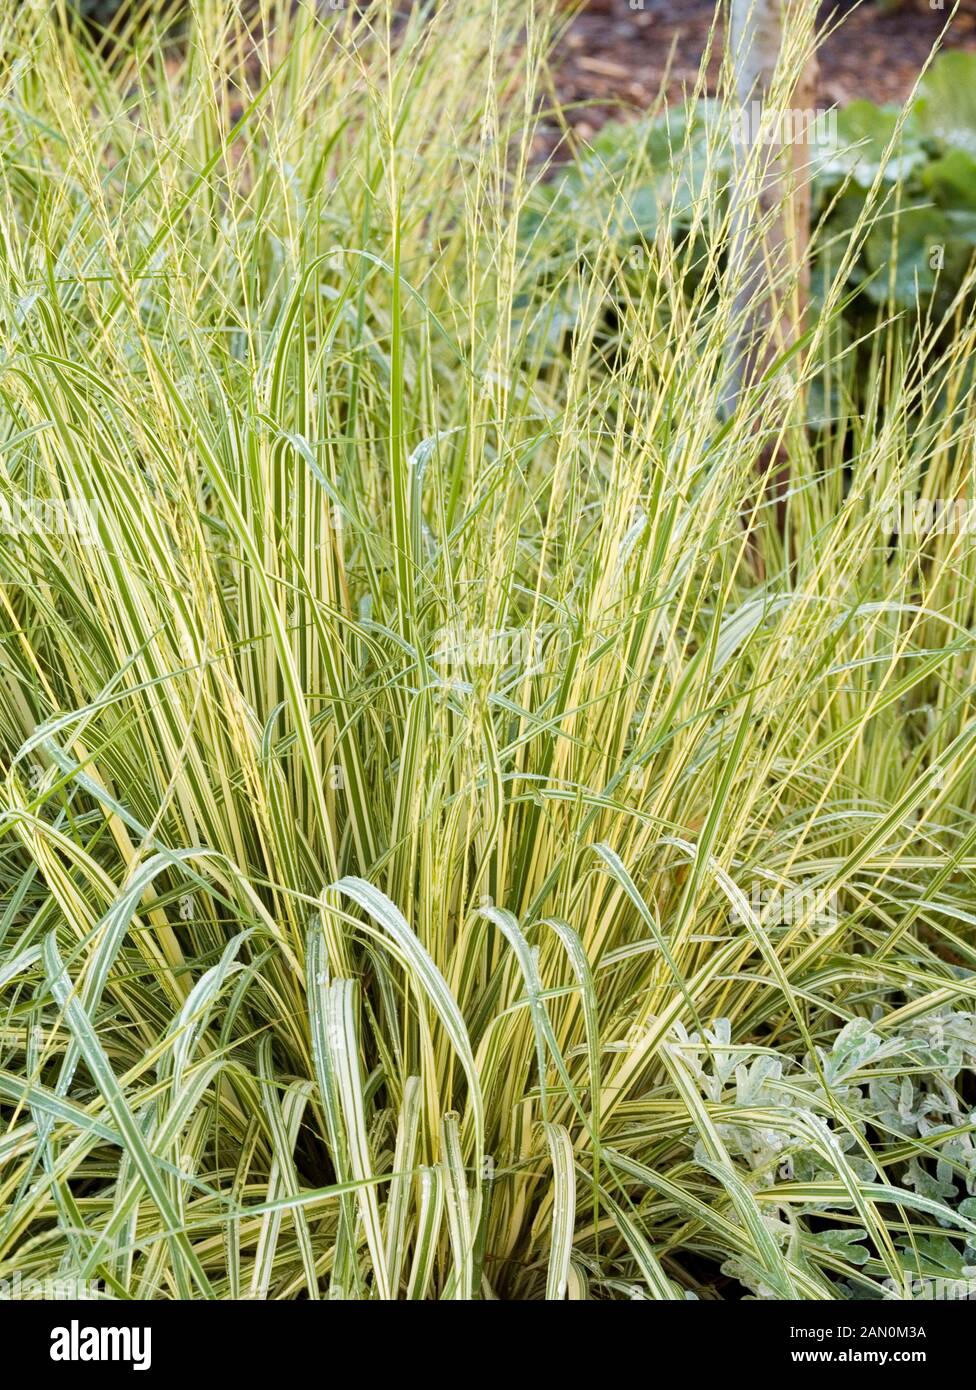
{"x": 918, "y": 171}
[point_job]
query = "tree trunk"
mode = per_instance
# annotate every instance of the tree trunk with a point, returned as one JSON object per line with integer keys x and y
{"x": 770, "y": 197}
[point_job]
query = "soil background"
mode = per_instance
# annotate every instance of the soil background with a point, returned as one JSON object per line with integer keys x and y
{"x": 612, "y": 60}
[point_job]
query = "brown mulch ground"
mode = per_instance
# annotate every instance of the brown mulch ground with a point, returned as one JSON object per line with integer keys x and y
{"x": 612, "y": 59}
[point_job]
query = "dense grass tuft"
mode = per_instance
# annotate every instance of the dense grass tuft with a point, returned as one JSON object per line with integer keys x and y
{"x": 400, "y": 726}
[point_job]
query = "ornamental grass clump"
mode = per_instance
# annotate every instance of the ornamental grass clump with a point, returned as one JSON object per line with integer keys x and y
{"x": 436, "y": 859}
